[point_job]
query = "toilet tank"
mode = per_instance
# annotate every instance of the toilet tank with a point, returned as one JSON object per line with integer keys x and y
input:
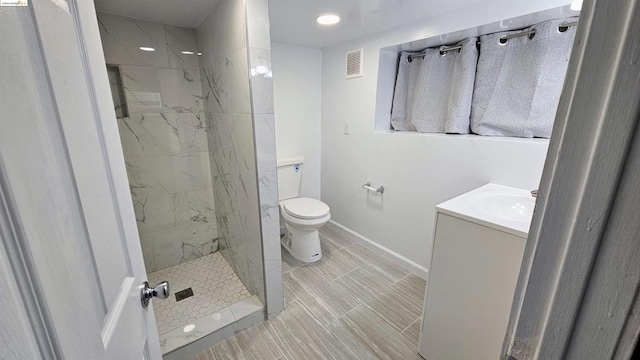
{"x": 289, "y": 176}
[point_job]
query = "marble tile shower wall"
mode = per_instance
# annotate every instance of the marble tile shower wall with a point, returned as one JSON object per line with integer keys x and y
{"x": 238, "y": 98}
{"x": 164, "y": 138}
{"x": 226, "y": 93}
{"x": 259, "y": 44}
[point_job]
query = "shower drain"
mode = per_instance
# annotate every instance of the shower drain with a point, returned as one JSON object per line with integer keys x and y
{"x": 183, "y": 294}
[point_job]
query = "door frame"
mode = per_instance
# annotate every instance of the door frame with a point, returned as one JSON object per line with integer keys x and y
{"x": 577, "y": 292}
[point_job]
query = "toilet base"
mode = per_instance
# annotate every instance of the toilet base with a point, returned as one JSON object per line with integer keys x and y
{"x": 302, "y": 245}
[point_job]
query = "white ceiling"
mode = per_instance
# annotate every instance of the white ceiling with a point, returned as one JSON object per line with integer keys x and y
{"x": 293, "y": 21}
{"x": 186, "y": 13}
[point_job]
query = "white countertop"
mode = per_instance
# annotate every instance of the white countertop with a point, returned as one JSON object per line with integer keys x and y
{"x": 496, "y": 206}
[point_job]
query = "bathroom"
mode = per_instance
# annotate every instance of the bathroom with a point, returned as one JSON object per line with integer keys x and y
{"x": 298, "y": 116}
{"x": 277, "y": 177}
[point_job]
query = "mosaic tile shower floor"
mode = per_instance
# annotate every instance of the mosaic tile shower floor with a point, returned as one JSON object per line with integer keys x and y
{"x": 214, "y": 283}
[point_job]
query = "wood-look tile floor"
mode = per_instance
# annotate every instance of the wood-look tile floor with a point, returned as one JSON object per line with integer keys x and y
{"x": 352, "y": 304}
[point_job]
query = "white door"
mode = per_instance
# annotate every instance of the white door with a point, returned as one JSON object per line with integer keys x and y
{"x": 70, "y": 240}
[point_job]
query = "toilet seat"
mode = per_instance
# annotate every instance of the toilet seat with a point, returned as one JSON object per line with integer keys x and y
{"x": 305, "y": 208}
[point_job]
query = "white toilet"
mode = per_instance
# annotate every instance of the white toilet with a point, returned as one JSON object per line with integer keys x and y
{"x": 302, "y": 216}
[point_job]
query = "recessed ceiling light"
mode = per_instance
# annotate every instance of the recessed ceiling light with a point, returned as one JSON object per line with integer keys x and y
{"x": 328, "y": 19}
{"x": 199, "y": 54}
{"x": 187, "y": 52}
{"x": 146, "y": 48}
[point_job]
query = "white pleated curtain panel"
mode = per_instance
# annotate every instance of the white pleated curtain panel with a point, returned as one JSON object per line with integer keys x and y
{"x": 513, "y": 90}
{"x": 433, "y": 94}
{"x": 518, "y": 83}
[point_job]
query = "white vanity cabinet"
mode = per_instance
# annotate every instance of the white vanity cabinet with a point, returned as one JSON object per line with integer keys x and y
{"x": 479, "y": 242}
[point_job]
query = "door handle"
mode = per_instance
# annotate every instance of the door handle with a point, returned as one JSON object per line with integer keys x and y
{"x": 161, "y": 291}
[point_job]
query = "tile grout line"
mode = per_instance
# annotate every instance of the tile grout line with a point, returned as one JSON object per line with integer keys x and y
{"x": 353, "y": 244}
{"x": 347, "y": 273}
{"x": 376, "y": 296}
{"x": 413, "y": 322}
{"x": 268, "y": 323}
{"x": 313, "y": 316}
{"x": 397, "y": 281}
{"x": 394, "y": 327}
{"x": 326, "y": 327}
{"x": 360, "y": 303}
{"x": 307, "y": 308}
{"x": 265, "y": 324}
{"x": 376, "y": 255}
{"x": 292, "y": 268}
{"x": 330, "y": 237}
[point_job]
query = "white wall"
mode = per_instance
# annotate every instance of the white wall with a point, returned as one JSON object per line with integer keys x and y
{"x": 418, "y": 170}
{"x": 297, "y": 84}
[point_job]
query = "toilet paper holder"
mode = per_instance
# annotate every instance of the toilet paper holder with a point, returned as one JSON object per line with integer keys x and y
{"x": 379, "y": 189}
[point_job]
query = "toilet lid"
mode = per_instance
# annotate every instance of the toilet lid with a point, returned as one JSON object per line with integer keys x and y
{"x": 306, "y": 208}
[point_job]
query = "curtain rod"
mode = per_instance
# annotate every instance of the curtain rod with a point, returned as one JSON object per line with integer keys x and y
{"x": 503, "y": 39}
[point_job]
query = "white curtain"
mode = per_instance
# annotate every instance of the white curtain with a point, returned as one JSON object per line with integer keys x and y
{"x": 433, "y": 94}
{"x": 518, "y": 83}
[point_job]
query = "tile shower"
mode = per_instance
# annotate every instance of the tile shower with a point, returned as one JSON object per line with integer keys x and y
{"x": 164, "y": 140}
{"x": 183, "y": 148}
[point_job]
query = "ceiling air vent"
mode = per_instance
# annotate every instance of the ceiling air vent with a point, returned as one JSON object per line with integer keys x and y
{"x": 353, "y": 64}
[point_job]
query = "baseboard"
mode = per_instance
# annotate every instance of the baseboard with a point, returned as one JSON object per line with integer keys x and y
{"x": 401, "y": 261}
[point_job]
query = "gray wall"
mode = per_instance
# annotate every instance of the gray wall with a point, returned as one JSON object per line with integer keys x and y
{"x": 164, "y": 138}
